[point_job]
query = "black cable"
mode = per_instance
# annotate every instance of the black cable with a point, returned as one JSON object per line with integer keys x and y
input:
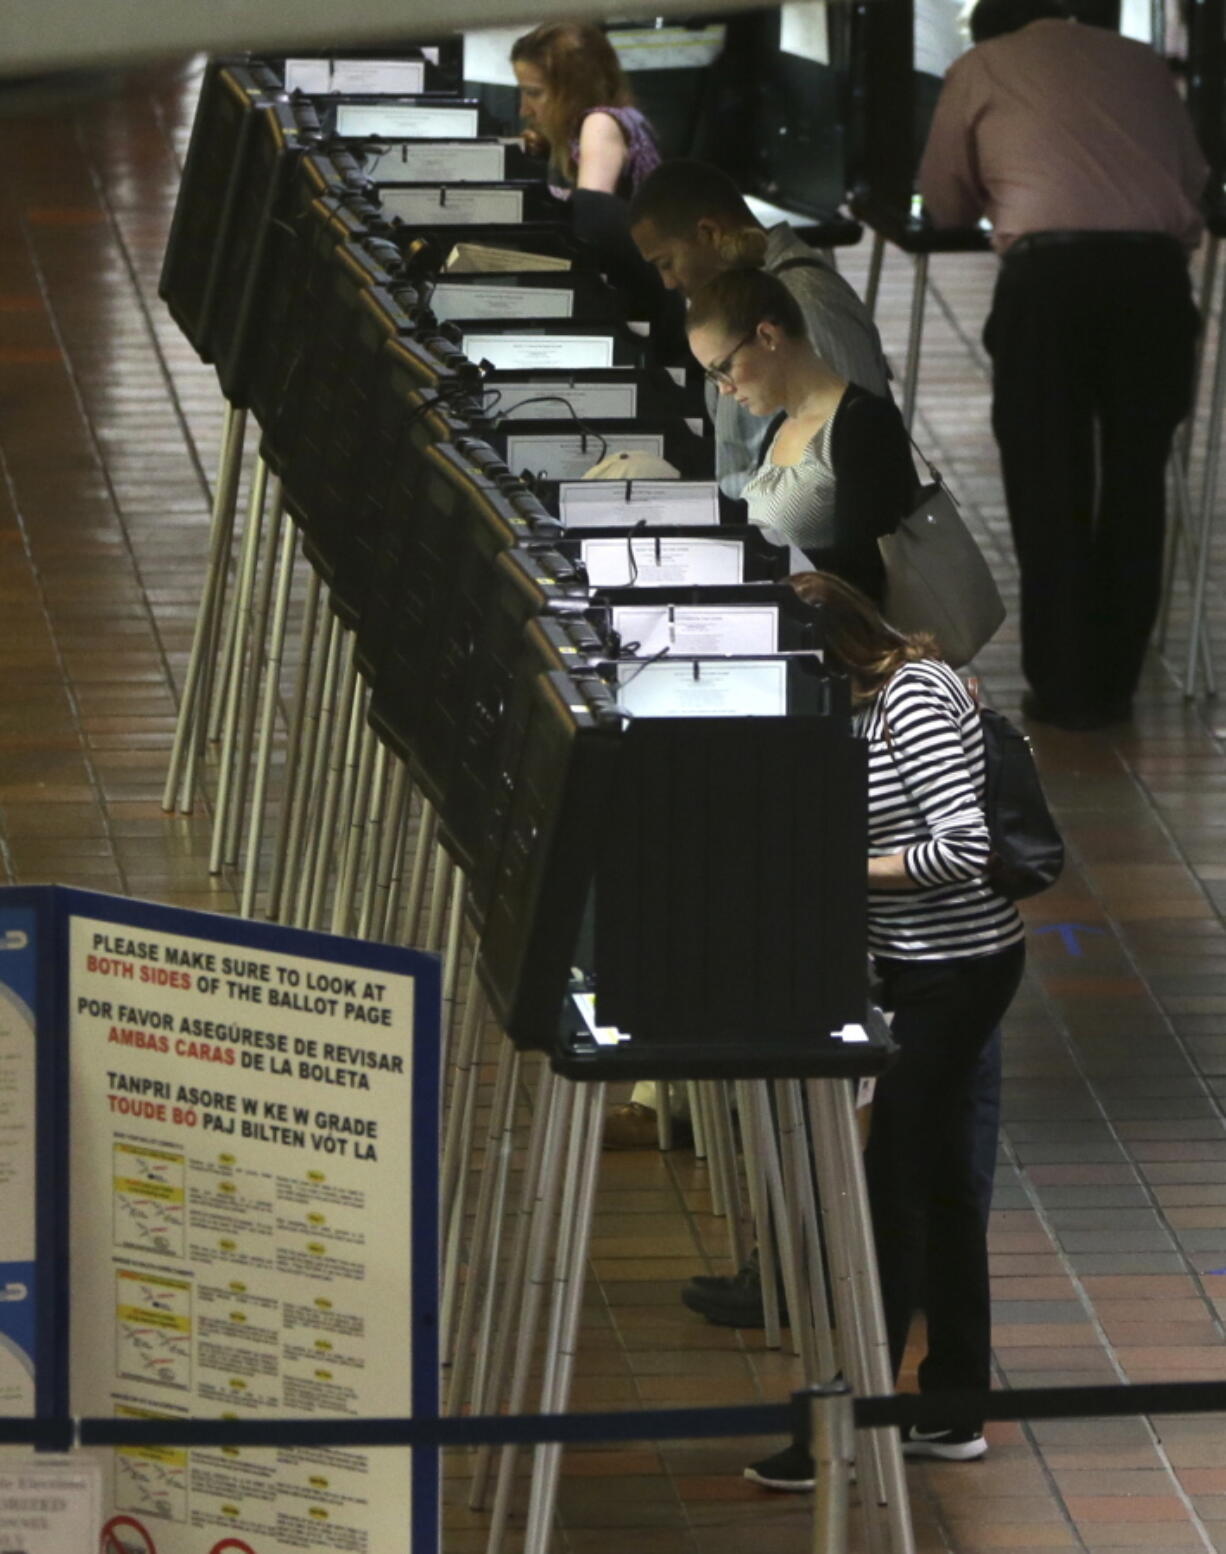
{"x": 645, "y": 664}
{"x": 586, "y": 430}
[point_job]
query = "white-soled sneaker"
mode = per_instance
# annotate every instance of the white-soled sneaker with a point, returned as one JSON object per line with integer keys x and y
{"x": 944, "y": 1445}
{"x": 790, "y": 1470}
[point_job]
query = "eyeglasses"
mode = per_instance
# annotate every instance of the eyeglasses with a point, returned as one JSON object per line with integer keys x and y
{"x": 719, "y": 373}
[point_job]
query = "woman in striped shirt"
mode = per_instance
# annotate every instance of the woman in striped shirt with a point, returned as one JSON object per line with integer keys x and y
{"x": 949, "y": 952}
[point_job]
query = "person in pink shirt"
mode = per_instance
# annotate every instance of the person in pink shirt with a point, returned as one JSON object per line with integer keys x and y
{"x": 1075, "y": 145}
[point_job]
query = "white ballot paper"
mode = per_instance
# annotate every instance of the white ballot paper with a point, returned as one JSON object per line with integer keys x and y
{"x": 564, "y": 401}
{"x": 803, "y": 30}
{"x": 447, "y": 161}
{"x": 566, "y": 458}
{"x": 455, "y": 206}
{"x": 378, "y": 77}
{"x": 50, "y": 1505}
{"x": 661, "y": 563}
{"x": 527, "y": 351}
{"x": 481, "y": 258}
{"x": 394, "y": 119}
{"x": 455, "y": 301}
{"x": 623, "y": 504}
{"x": 602, "y": 1035}
{"x": 697, "y": 628}
{"x": 487, "y": 55}
{"x": 704, "y": 688}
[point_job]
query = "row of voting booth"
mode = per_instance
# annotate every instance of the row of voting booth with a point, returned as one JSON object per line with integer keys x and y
{"x": 484, "y": 599}
{"x": 576, "y": 735}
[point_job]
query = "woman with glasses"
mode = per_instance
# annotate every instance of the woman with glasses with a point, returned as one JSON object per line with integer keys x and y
{"x": 836, "y": 468}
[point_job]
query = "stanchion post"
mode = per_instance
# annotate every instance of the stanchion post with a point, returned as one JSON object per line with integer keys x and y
{"x": 830, "y": 1431}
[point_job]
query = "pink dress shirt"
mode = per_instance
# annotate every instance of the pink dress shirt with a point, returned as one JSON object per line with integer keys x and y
{"x": 1063, "y": 127}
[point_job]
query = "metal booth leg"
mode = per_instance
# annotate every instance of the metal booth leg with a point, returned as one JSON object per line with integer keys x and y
{"x": 1213, "y": 450}
{"x": 540, "y": 1237}
{"x": 749, "y": 1096}
{"x": 488, "y": 1398}
{"x": 873, "y": 284}
{"x": 299, "y": 747}
{"x": 574, "y": 1240}
{"x": 268, "y": 714}
{"x": 180, "y": 776}
{"x": 485, "y": 1244}
{"x": 234, "y": 670}
{"x": 862, "y": 1337}
{"x": 919, "y": 291}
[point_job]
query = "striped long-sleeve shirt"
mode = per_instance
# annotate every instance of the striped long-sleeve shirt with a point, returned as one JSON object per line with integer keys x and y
{"x": 925, "y": 800}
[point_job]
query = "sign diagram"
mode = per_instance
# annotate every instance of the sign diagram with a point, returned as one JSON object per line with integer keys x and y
{"x": 149, "y": 1200}
{"x": 153, "y": 1329}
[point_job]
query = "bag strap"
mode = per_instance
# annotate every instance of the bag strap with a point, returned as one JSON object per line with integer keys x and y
{"x": 934, "y": 474}
{"x": 800, "y": 262}
{"x": 768, "y": 437}
{"x": 933, "y": 471}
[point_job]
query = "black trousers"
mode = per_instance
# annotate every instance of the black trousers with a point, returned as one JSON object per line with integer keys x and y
{"x": 1091, "y": 341}
{"x": 921, "y": 1161}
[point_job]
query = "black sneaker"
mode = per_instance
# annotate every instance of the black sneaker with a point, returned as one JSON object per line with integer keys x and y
{"x": 790, "y": 1469}
{"x": 947, "y": 1445}
{"x": 734, "y": 1301}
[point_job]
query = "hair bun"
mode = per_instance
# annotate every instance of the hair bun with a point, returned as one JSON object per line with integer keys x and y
{"x": 742, "y": 248}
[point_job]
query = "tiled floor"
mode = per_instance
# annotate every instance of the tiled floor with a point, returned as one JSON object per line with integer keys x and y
{"x": 1109, "y": 1236}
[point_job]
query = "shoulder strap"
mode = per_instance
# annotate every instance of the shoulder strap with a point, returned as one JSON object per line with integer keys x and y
{"x": 801, "y": 262}
{"x": 768, "y": 437}
{"x": 934, "y": 474}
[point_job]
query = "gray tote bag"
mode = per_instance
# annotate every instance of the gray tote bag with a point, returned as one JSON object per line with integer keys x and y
{"x": 936, "y": 579}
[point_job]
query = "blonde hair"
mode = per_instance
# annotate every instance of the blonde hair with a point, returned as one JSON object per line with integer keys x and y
{"x": 865, "y": 644}
{"x": 581, "y": 71}
{"x": 739, "y": 300}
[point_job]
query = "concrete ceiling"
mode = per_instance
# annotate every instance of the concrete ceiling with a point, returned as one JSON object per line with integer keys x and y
{"x": 42, "y": 35}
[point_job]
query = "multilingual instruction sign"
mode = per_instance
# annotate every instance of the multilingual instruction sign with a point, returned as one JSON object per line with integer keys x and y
{"x": 248, "y": 1109}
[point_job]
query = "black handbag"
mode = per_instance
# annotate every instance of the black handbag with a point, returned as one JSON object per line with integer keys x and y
{"x": 1027, "y": 849}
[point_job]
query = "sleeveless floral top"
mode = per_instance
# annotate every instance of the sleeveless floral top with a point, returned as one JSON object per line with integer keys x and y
{"x": 643, "y": 154}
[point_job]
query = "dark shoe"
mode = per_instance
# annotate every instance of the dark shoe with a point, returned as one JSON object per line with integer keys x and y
{"x": 631, "y": 1127}
{"x": 789, "y": 1469}
{"x": 946, "y": 1445}
{"x": 634, "y": 1126}
{"x": 734, "y": 1301}
{"x": 1075, "y": 720}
